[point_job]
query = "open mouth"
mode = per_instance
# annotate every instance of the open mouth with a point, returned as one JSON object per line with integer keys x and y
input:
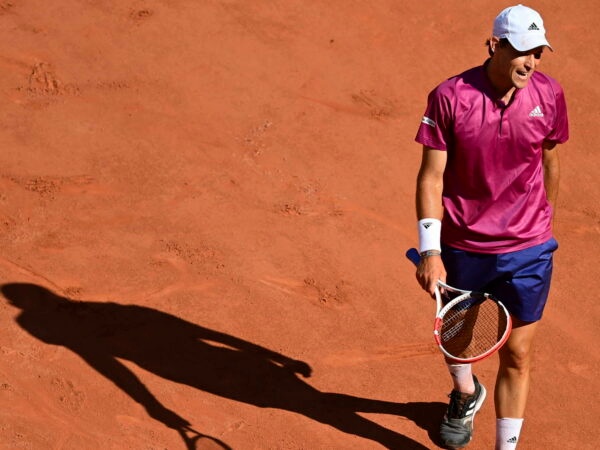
{"x": 523, "y": 75}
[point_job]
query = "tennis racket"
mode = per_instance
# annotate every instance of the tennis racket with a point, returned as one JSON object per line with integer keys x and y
{"x": 469, "y": 325}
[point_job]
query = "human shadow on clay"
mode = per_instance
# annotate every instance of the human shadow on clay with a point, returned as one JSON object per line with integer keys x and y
{"x": 103, "y": 332}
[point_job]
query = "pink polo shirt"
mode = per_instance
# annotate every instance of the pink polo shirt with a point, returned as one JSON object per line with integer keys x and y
{"x": 494, "y": 198}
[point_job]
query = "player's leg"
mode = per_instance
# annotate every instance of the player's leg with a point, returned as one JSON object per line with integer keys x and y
{"x": 465, "y": 270}
{"x": 462, "y": 377}
{"x": 512, "y": 384}
{"x": 525, "y": 295}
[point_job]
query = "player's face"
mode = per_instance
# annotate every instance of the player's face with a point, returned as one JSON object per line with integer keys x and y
{"x": 517, "y": 67}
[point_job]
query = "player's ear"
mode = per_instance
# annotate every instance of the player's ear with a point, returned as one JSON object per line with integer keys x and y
{"x": 493, "y": 44}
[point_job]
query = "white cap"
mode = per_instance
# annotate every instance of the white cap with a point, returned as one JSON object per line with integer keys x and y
{"x": 522, "y": 26}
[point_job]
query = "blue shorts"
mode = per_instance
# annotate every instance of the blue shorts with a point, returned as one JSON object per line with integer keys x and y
{"x": 520, "y": 280}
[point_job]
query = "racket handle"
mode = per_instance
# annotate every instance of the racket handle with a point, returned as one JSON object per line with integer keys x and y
{"x": 413, "y": 255}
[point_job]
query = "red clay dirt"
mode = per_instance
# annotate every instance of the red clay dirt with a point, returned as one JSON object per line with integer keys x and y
{"x": 204, "y": 202}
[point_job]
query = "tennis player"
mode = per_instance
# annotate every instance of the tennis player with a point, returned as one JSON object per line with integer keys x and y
{"x": 485, "y": 198}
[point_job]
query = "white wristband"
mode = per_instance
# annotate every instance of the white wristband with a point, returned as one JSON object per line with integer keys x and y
{"x": 429, "y": 234}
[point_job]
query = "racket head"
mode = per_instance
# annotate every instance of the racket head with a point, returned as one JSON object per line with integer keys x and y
{"x": 471, "y": 327}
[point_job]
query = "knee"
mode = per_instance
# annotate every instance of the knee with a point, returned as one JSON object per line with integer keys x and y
{"x": 516, "y": 357}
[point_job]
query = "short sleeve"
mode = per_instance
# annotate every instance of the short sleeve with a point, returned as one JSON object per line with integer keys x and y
{"x": 560, "y": 131}
{"x": 436, "y": 124}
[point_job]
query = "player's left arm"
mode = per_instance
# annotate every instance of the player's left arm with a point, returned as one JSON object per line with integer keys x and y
{"x": 551, "y": 167}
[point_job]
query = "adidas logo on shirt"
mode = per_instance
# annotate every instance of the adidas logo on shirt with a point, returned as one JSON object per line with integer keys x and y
{"x": 427, "y": 121}
{"x": 536, "y": 112}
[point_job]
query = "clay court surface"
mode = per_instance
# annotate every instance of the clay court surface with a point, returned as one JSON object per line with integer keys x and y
{"x": 204, "y": 211}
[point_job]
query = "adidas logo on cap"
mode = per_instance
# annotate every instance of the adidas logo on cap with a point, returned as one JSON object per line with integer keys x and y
{"x": 533, "y": 27}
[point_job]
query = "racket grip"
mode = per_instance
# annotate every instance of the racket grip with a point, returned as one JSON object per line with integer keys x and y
{"x": 413, "y": 255}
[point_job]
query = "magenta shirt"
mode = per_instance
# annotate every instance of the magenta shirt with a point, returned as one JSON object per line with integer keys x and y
{"x": 494, "y": 198}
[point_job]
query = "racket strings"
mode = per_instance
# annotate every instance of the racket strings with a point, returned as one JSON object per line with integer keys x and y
{"x": 472, "y": 327}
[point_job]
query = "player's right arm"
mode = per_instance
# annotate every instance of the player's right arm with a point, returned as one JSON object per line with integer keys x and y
{"x": 430, "y": 183}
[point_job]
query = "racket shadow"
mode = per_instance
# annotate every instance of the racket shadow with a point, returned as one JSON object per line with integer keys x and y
{"x": 102, "y": 333}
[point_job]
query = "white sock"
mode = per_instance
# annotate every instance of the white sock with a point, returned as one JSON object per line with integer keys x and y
{"x": 507, "y": 433}
{"x": 462, "y": 377}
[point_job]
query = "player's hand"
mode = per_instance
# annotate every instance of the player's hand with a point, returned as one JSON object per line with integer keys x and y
{"x": 429, "y": 271}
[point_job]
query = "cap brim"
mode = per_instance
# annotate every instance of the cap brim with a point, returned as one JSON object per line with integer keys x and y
{"x": 526, "y": 43}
